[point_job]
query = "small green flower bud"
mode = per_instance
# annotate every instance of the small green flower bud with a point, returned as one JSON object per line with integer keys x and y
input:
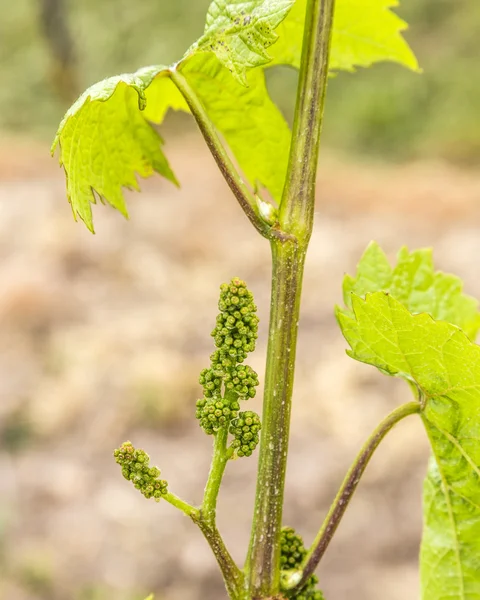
{"x": 235, "y": 335}
{"x": 135, "y": 467}
{"x": 214, "y": 414}
{"x": 245, "y": 430}
{"x": 237, "y": 319}
{"x": 292, "y": 549}
{"x": 292, "y": 554}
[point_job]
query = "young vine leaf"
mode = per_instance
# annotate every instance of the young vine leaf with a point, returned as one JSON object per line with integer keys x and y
{"x": 442, "y": 365}
{"x": 415, "y": 283}
{"x": 105, "y": 141}
{"x": 239, "y": 32}
{"x": 247, "y": 118}
{"x": 106, "y": 138}
{"x": 364, "y": 32}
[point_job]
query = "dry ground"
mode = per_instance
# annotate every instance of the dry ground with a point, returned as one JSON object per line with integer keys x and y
{"x": 103, "y": 337}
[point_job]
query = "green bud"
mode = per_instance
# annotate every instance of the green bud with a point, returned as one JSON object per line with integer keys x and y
{"x": 292, "y": 554}
{"x": 235, "y": 334}
{"x": 216, "y": 414}
{"x": 245, "y": 430}
{"x": 135, "y": 467}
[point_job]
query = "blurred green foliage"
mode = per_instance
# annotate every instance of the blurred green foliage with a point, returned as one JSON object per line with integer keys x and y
{"x": 36, "y": 575}
{"x": 384, "y": 111}
{"x": 390, "y": 112}
{"x": 16, "y": 430}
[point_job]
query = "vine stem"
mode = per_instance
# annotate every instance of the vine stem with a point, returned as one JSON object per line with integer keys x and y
{"x": 288, "y": 255}
{"x": 240, "y": 190}
{"x": 298, "y": 202}
{"x": 232, "y": 576}
{"x": 217, "y": 469}
{"x": 263, "y": 561}
{"x": 188, "y": 509}
{"x": 298, "y": 579}
{"x": 204, "y": 518}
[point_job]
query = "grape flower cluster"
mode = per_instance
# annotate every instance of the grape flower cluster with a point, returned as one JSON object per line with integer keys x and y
{"x": 216, "y": 412}
{"x": 292, "y": 554}
{"x": 245, "y": 430}
{"x": 228, "y": 381}
{"x": 135, "y": 464}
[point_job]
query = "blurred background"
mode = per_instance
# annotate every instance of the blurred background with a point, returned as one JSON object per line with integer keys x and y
{"x": 103, "y": 337}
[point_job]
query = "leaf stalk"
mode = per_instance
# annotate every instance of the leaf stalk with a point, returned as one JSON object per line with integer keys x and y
{"x": 345, "y": 493}
{"x": 240, "y": 190}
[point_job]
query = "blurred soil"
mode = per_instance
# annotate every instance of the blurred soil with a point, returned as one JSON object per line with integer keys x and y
{"x": 103, "y": 338}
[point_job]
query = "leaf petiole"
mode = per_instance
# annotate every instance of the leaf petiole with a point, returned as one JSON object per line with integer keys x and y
{"x": 297, "y": 579}
{"x": 240, "y": 190}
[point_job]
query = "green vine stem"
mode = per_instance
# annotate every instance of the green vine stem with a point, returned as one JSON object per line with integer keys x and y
{"x": 298, "y": 202}
{"x": 186, "y": 508}
{"x": 264, "y": 554}
{"x": 288, "y": 253}
{"x": 205, "y": 520}
{"x": 217, "y": 469}
{"x": 232, "y": 576}
{"x": 345, "y": 493}
{"x": 240, "y": 190}
{"x": 206, "y": 517}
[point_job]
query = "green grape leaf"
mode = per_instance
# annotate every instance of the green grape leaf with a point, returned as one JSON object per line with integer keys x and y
{"x": 106, "y": 137}
{"x": 415, "y": 283}
{"x": 239, "y": 32}
{"x": 251, "y": 124}
{"x": 161, "y": 96}
{"x": 449, "y": 556}
{"x": 443, "y": 366}
{"x": 440, "y": 361}
{"x": 105, "y": 141}
{"x": 364, "y": 32}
